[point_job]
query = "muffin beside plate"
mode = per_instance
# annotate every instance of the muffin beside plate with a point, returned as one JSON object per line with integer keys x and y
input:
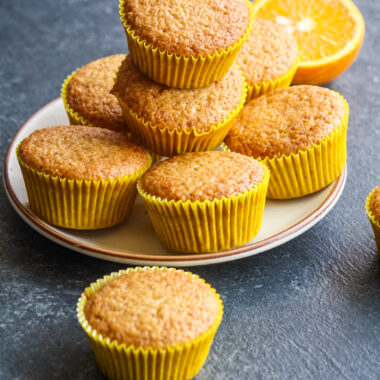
{"x": 150, "y": 323}
{"x": 81, "y": 177}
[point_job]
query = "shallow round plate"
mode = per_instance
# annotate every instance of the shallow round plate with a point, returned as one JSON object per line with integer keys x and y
{"x": 134, "y": 241}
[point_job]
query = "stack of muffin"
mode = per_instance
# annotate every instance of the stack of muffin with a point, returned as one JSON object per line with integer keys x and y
{"x": 180, "y": 93}
{"x": 198, "y": 73}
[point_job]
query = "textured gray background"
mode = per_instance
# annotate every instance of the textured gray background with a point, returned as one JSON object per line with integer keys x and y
{"x": 309, "y": 309}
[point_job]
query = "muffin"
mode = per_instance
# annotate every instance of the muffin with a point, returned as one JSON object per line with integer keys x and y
{"x": 87, "y": 98}
{"x": 150, "y": 323}
{"x": 299, "y": 133}
{"x": 81, "y": 177}
{"x": 373, "y": 212}
{"x": 170, "y": 121}
{"x": 268, "y": 59}
{"x": 186, "y": 43}
{"x": 205, "y": 201}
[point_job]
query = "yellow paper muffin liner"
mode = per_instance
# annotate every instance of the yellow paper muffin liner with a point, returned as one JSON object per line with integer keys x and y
{"x": 120, "y": 361}
{"x": 166, "y": 142}
{"x": 262, "y": 88}
{"x": 178, "y": 70}
{"x": 209, "y": 225}
{"x": 374, "y": 222}
{"x": 310, "y": 170}
{"x": 80, "y": 204}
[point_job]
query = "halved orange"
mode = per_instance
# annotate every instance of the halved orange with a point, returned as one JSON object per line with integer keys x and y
{"x": 329, "y": 33}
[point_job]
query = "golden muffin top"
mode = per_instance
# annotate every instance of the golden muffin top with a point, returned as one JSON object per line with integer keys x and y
{"x": 203, "y": 175}
{"x": 269, "y": 52}
{"x": 286, "y": 121}
{"x": 179, "y": 109}
{"x": 375, "y": 204}
{"x": 188, "y": 27}
{"x": 153, "y": 308}
{"x": 88, "y": 93}
{"x": 81, "y": 152}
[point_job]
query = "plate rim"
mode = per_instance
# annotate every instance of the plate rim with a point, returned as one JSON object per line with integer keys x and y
{"x": 195, "y": 259}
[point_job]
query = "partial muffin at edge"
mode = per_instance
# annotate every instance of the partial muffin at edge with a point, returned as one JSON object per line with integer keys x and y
{"x": 204, "y": 175}
{"x": 188, "y": 27}
{"x": 179, "y": 109}
{"x": 88, "y": 93}
{"x": 269, "y": 52}
{"x": 81, "y": 152}
{"x": 375, "y": 204}
{"x": 286, "y": 121}
{"x": 152, "y": 308}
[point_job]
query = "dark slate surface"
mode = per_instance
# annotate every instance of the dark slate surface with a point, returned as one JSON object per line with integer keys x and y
{"x": 309, "y": 309}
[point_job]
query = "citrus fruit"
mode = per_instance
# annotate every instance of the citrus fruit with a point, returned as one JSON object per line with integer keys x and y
{"x": 329, "y": 33}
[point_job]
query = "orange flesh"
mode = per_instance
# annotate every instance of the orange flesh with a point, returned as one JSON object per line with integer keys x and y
{"x": 322, "y": 28}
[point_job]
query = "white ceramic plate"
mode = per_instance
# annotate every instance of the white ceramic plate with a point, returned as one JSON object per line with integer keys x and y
{"x": 134, "y": 241}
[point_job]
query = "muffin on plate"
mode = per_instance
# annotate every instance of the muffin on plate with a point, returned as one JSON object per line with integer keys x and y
{"x": 150, "y": 323}
{"x": 81, "y": 177}
{"x": 170, "y": 121}
{"x": 373, "y": 212}
{"x": 186, "y": 43}
{"x": 205, "y": 201}
{"x": 87, "y": 98}
{"x": 299, "y": 133}
{"x": 268, "y": 59}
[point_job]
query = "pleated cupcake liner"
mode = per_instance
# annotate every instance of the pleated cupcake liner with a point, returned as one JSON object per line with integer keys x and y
{"x": 310, "y": 170}
{"x": 374, "y": 222}
{"x": 80, "y": 204}
{"x": 120, "y": 361}
{"x": 262, "y": 88}
{"x": 209, "y": 225}
{"x": 179, "y": 70}
{"x": 166, "y": 142}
